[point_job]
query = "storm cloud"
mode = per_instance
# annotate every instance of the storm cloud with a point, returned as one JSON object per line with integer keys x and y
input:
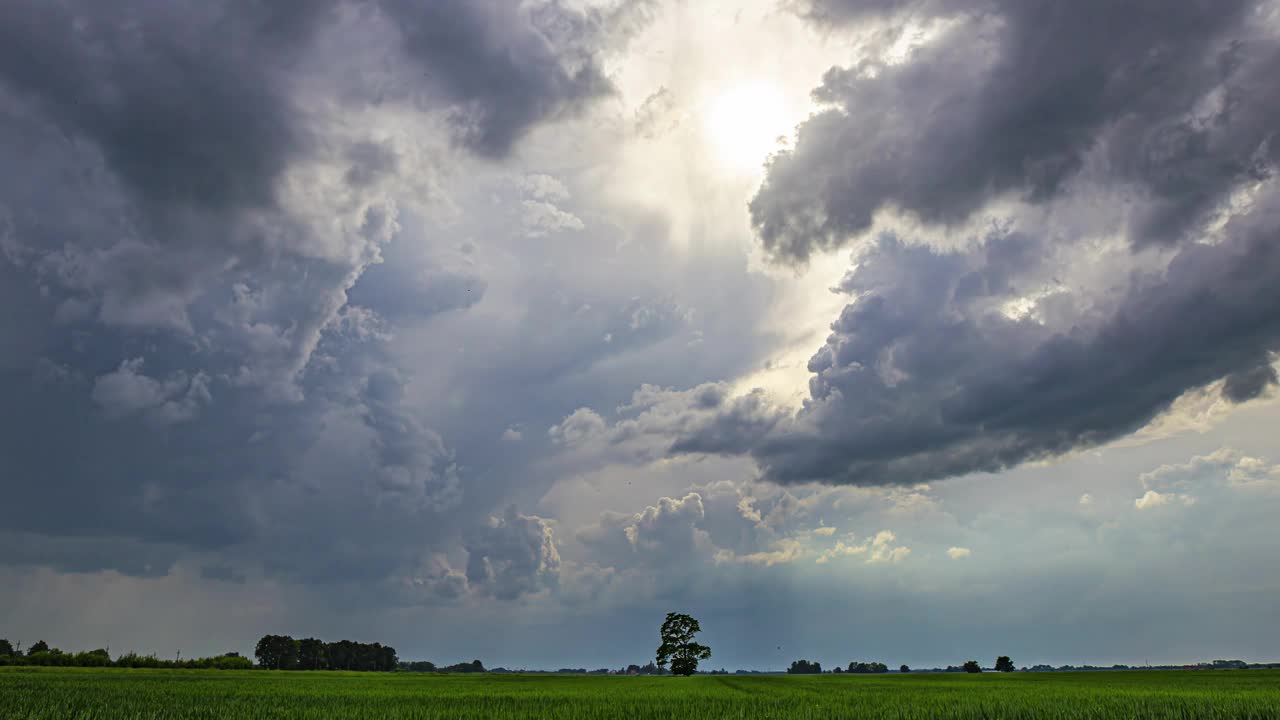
{"x": 980, "y": 349}
{"x": 438, "y": 323}
{"x": 201, "y": 360}
{"x": 1013, "y": 98}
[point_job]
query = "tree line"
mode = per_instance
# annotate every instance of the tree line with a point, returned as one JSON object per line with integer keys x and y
{"x": 41, "y": 654}
{"x": 281, "y": 652}
{"x": 807, "y": 667}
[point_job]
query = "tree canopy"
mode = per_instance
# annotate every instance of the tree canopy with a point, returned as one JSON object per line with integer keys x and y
{"x": 281, "y": 652}
{"x": 805, "y": 667}
{"x": 1004, "y": 664}
{"x": 678, "y": 647}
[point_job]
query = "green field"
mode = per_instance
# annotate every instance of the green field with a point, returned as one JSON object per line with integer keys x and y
{"x": 61, "y": 694}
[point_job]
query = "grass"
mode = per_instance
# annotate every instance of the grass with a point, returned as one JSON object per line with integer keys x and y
{"x": 84, "y": 693}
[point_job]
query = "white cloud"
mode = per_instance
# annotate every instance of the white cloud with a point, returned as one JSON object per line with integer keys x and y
{"x": 579, "y": 428}
{"x": 955, "y": 553}
{"x": 543, "y": 187}
{"x": 1223, "y": 470}
{"x": 787, "y": 550}
{"x": 128, "y": 391}
{"x": 1152, "y": 499}
{"x": 543, "y": 218}
{"x": 878, "y": 549}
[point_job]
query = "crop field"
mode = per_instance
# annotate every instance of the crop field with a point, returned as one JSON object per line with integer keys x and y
{"x": 63, "y": 694}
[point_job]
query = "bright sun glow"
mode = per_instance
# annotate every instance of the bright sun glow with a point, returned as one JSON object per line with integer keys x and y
{"x": 744, "y": 123}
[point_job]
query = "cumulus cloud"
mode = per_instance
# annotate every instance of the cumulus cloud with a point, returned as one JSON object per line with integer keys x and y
{"x": 879, "y": 548}
{"x": 664, "y": 534}
{"x": 127, "y": 391}
{"x": 542, "y": 218}
{"x": 1224, "y": 470}
{"x": 508, "y": 66}
{"x": 209, "y": 236}
{"x": 513, "y": 555}
{"x": 702, "y": 419}
{"x": 1053, "y": 244}
{"x": 928, "y": 373}
{"x": 727, "y": 526}
{"x": 1011, "y": 97}
{"x": 540, "y": 186}
{"x": 1152, "y": 499}
{"x": 787, "y": 550}
{"x": 956, "y": 553}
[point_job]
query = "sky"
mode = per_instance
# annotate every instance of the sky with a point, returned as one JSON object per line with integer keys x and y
{"x": 900, "y": 330}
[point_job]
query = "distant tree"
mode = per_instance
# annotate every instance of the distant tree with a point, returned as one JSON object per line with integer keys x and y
{"x": 972, "y": 666}
{"x": 387, "y": 659}
{"x": 6, "y": 648}
{"x": 804, "y": 667}
{"x": 867, "y": 668}
{"x": 475, "y": 666}
{"x": 277, "y": 652}
{"x": 39, "y": 647}
{"x": 904, "y": 669}
{"x": 340, "y": 655}
{"x": 678, "y": 647}
{"x": 633, "y": 669}
{"x": 1004, "y": 664}
{"x": 312, "y": 655}
{"x": 92, "y": 658}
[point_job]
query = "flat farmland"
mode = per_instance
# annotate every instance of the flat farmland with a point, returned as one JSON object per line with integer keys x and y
{"x": 66, "y": 693}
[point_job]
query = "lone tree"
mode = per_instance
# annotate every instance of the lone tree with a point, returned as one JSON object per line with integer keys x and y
{"x": 904, "y": 669}
{"x": 678, "y": 647}
{"x": 1004, "y": 664}
{"x": 972, "y": 666}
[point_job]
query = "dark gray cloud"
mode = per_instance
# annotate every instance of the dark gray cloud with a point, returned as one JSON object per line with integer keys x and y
{"x": 509, "y": 66}
{"x": 1012, "y": 98}
{"x": 221, "y": 573}
{"x": 920, "y": 379}
{"x": 512, "y": 555}
{"x": 201, "y": 240}
{"x": 1249, "y": 384}
{"x": 187, "y": 101}
{"x": 953, "y": 361}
